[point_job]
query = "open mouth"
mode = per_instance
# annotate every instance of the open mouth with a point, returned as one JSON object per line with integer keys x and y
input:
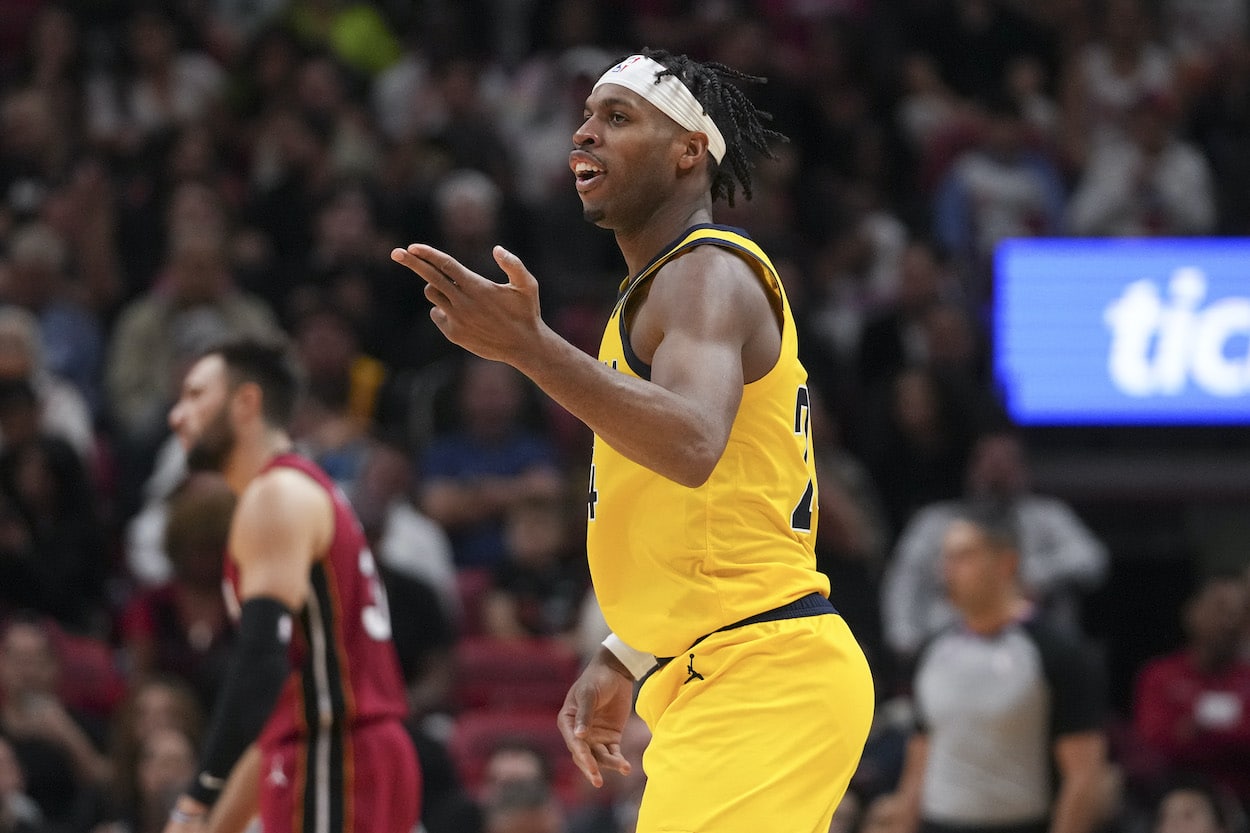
{"x": 587, "y": 173}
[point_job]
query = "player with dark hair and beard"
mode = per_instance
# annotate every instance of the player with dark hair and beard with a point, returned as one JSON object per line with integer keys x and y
{"x": 307, "y": 730}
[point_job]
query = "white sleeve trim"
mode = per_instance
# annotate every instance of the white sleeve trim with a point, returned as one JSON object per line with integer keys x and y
{"x": 637, "y": 662}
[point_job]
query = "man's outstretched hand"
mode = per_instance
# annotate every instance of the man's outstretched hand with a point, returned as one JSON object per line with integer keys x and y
{"x": 498, "y": 321}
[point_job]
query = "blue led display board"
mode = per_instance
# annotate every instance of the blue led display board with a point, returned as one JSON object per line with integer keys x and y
{"x": 1123, "y": 332}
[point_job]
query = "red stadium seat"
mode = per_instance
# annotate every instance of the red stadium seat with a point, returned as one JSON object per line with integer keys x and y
{"x": 532, "y": 674}
{"x": 472, "y": 584}
{"x": 91, "y": 680}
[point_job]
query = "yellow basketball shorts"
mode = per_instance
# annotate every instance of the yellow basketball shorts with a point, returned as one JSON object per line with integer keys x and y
{"x": 759, "y": 731}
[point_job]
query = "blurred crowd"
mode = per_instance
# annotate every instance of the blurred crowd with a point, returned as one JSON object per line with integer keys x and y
{"x": 173, "y": 172}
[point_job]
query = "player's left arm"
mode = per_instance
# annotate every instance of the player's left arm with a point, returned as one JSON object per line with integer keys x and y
{"x": 282, "y": 524}
{"x": 1084, "y": 782}
{"x": 240, "y": 799}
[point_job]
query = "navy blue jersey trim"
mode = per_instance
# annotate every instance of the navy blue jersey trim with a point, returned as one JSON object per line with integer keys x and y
{"x": 813, "y": 604}
{"x": 636, "y": 364}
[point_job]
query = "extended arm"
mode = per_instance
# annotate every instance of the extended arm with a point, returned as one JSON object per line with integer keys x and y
{"x": 1067, "y": 553}
{"x": 1082, "y": 802}
{"x": 703, "y": 310}
{"x": 282, "y": 523}
{"x": 911, "y": 782}
{"x": 911, "y": 587}
{"x": 240, "y": 800}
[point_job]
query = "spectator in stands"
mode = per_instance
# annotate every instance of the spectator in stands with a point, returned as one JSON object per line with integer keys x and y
{"x": 404, "y": 539}
{"x": 893, "y": 337}
{"x": 62, "y": 410}
{"x": 1009, "y": 710}
{"x": 147, "y": 563}
{"x": 488, "y": 462}
{"x": 70, "y": 334}
{"x": 166, "y": 764}
{"x": 342, "y": 388}
{"x": 470, "y": 136}
{"x": 18, "y": 812}
{"x": 55, "y": 62}
{"x": 1110, "y": 73}
{"x": 1005, "y": 185}
{"x": 358, "y": 33}
{"x": 159, "y": 88}
{"x": 511, "y": 761}
{"x": 181, "y": 627}
{"x": 524, "y": 807}
{"x": 929, "y": 112}
{"x": 55, "y": 554}
{"x": 539, "y": 585}
{"x": 1059, "y": 558}
{"x": 155, "y": 705}
{"x": 973, "y": 42}
{"x": 36, "y": 151}
{"x": 883, "y": 814}
{"x": 1194, "y": 805}
{"x": 1150, "y": 183}
{"x": 1192, "y": 707}
{"x": 1219, "y": 124}
{"x": 160, "y": 331}
{"x": 916, "y": 441}
{"x": 65, "y": 769}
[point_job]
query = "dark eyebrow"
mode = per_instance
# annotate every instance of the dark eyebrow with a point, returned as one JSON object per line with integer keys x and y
{"x": 614, "y": 101}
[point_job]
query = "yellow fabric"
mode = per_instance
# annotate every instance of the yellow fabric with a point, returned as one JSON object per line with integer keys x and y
{"x": 367, "y": 376}
{"x": 671, "y": 563}
{"x": 768, "y": 739}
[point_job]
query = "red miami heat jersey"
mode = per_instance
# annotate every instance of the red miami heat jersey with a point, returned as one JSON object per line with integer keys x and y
{"x": 344, "y": 670}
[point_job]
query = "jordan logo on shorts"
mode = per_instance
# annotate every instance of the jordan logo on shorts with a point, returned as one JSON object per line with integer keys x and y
{"x": 277, "y": 777}
{"x": 694, "y": 675}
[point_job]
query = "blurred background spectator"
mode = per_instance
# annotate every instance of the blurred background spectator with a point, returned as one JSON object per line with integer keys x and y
{"x": 1060, "y": 558}
{"x": 487, "y": 460}
{"x": 1191, "y": 709}
{"x": 60, "y": 752}
{"x": 150, "y": 738}
{"x": 180, "y": 628}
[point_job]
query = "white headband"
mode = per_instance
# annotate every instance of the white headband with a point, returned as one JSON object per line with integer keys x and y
{"x": 671, "y": 97}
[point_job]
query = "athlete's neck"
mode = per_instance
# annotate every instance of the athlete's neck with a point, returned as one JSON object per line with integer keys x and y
{"x": 251, "y": 454}
{"x": 641, "y": 243}
{"x": 994, "y": 618}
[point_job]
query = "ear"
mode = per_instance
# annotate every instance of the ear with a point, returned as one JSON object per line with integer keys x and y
{"x": 694, "y": 152}
{"x": 248, "y": 400}
{"x": 1010, "y": 564}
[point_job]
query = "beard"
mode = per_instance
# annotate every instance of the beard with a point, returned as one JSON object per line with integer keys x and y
{"x": 214, "y": 445}
{"x": 594, "y": 216}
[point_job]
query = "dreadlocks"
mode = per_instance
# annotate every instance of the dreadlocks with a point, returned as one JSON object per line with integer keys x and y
{"x": 740, "y": 121}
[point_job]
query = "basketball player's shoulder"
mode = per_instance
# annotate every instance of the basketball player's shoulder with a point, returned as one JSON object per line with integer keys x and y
{"x": 704, "y": 272}
{"x": 283, "y": 498}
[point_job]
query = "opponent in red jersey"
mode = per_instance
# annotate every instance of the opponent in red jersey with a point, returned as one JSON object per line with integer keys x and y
{"x": 307, "y": 728}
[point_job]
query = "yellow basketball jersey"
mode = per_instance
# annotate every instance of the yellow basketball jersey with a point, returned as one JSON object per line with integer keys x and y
{"x": 671, "y": 563}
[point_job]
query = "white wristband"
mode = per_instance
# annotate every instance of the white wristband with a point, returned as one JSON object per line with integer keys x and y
{"x": 637, "y": 662}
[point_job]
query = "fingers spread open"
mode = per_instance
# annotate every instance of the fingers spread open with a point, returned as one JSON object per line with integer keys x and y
{"x": 435, "y": 267}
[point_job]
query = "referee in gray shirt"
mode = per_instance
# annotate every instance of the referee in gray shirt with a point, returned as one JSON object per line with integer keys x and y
{"x": 1009, "y": 735}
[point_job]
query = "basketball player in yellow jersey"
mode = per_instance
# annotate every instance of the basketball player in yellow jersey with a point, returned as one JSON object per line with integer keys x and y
{"x": 702, "y": 494}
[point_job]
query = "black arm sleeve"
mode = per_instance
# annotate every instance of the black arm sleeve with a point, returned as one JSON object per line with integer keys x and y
{"x": 258, "y": 669}
{"x": 1077, "y": 683}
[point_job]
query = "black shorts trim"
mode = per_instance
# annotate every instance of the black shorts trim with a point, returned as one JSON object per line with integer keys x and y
{"x": 813, "y": 604}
